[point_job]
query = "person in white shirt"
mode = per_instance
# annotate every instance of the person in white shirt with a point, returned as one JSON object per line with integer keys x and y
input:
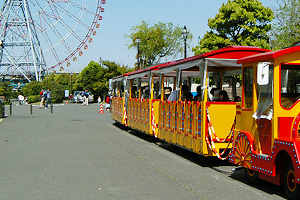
{"x": 185, "y": 94}
{"x": 20, "y": 99}
{"x": 174, "y": 96}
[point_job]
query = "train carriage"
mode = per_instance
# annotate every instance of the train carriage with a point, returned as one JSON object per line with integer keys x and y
{"x": 182, "y": 123}
{"x": 203, "y": 127}
{"x": 117, "y": 105}
{"x": 267, "y": 135}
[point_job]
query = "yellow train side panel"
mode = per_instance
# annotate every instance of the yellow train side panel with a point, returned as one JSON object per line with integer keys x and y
{"x": 222, "y": 117}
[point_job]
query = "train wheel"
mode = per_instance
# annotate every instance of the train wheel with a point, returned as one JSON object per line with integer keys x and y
{"x": 292, "y": 189}
{"x": 242, "y": 151}
{"x": 251, "y": 176}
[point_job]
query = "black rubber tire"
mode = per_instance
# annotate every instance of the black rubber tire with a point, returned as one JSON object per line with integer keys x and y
{"x": 291, "y": 188}
{"x": 251, "y": 176}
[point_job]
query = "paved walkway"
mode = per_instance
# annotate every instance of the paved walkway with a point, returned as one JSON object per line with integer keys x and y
{"x": 77, "y": 153}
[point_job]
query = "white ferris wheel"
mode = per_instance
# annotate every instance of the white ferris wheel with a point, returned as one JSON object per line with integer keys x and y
{"x": 41, "y": 35}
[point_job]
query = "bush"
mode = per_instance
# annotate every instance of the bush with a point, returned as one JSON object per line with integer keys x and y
{"x": 57, "y": 92}
{"x": 34, "y": 98}
{"x": 5, "y": 90}
{"x": 32, "y": 88}
{"x": 7, "y": 103}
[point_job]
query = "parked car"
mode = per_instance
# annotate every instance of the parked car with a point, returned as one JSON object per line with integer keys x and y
{"x": 78, "y": 97}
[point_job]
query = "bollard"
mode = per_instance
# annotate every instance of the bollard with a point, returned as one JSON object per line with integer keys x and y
{"x": 51, "y": 108}
{"x": 2, "y": 109}
{"x": 10, "y": 109}
{"x": 31, "y": 109}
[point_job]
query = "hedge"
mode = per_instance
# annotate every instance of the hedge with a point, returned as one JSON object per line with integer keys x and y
{"x": 34, "y": 98}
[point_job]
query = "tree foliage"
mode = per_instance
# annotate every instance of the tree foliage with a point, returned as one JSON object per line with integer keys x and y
{"x": 239, "y": 22}
{"x": 66, "y": 80}
{"x": 56, "y": 83}
{"x": 57, "y": 92}
{"x": 162, "y": 40}
{"x": 286, "y": 28}
{"x": 6, "y": 90}
{"x": 95, "y": 77}
{"x": 32, "y": 88}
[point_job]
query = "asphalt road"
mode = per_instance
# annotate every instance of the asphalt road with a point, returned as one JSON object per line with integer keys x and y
{"x": 77, "y": 153}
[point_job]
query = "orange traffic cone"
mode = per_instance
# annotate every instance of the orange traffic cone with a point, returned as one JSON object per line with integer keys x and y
{"x": 101, "y": 108}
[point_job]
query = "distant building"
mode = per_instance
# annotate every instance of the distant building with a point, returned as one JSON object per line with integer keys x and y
{"x": 65, "y": 72}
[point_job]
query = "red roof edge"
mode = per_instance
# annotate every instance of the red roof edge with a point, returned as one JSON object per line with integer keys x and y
{"x": 221, "y": 51}
{"x": 268, "y": 55}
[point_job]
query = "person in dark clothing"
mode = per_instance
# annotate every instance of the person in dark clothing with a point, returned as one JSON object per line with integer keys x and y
{"x": 198, "y": 96}
{"x": 48, "y": 98}
{"x": 86, "y": 95}
{"x": 223, "y": 96}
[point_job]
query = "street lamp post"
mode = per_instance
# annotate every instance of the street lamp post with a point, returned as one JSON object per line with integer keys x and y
{"x": 184, "y": 35}
{"x": 71, "y": 82}
{"x": 138, "y": 41}
{"x": 47, "y": 82}
{"x": 100, "y": 62}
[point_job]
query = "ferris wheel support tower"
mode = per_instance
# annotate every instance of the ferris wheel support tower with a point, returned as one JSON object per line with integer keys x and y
{"x": 20, "y": 49}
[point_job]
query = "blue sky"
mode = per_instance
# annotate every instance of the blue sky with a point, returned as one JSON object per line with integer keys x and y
{"x": 120, "y": 15}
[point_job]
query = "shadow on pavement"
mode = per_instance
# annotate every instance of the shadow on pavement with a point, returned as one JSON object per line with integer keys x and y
{"x": 272, "y": 189}
{"x": 212, "y": 162}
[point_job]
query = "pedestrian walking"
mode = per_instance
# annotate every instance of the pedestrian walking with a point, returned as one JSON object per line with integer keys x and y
{"x": 42, "y": 98}
{"x": 99, "y": 100}
{"x": 107, "y": 101}
{"x": 48, "y": 96}
{"x": 26, "y": 101}
{"x": 20, "y": 99}
{"x": 86, "y": 98}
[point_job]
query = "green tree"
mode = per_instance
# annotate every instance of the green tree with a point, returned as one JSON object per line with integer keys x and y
{"x": 162, "y": 40}
{"x": 95, "y": 77}
{"x": 32, "y": 88}
{"x": 48, "y": 80}
{"x": 286, "y": 28}
{"x": 57, "y": 92}
{"x": 63, "y": 79}
{"x": 66, "y": 80}
{"x": 239, "y": 22}
{"x": 57, "y": 85}
{"x": 6, "y": 90}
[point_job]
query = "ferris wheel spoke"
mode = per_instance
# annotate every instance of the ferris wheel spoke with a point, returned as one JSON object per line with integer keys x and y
{"x": 58, "y": 35}
{"x": 75, "y": 18}
{"x": 61, "y": 38}
{"x": 43, "y": 16}
{"x": 83, "y": 8}
{"x": 48, "y": 41}
{"x": 70, "y": 30}
{"x": 39, "y": 8}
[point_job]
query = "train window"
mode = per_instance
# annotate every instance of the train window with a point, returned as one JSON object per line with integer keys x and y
{"x": 265, "y": 98}
{"x": 248, "y": 87}
{"x": 134, "y": 92}
{"x": 290, "y": 85}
